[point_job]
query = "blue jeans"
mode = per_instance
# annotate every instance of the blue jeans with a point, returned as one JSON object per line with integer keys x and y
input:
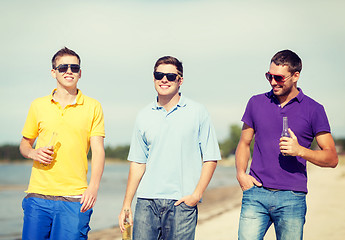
{"x": 261, "y": 207}
{"x": 160, "y": 219}
{"x": 54, "y": 220}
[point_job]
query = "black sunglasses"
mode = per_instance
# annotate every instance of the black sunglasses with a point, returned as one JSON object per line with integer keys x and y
{"x": 170, "y": 76}
{"x": 62, "y": 68}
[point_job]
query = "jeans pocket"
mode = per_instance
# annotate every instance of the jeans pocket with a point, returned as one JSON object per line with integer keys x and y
{"x": 298, "y": 194}
{"x": 251, "y": 188}
{"x": 185, "y": 206}
{"x": 24, "y": 203}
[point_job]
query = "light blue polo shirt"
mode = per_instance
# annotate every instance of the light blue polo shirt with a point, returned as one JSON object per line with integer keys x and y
{"x": 172, "y": 145}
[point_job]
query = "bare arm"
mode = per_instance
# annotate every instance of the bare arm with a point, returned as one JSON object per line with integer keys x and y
{"x": 42, "y": 155}
{"x": 136, "y": 172}
{"x": 242, "y": 157}
{"x": 89, "y": 197}
{"x": 326, "y": 157}
{"x": 207, "y": 171}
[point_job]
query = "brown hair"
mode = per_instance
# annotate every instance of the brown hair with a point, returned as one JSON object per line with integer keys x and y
{"x": 288, "y": 58}
{"x": 170, "y": 60}
{"x": 62, "y": 52}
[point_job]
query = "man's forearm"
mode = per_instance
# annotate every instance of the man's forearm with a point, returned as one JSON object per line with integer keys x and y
{"x": 25, "y": 147}
{"x": 321, "y": 158}
{"x": 241, "y": 158}
{"x": 97, "y": 168}
{"x": 242, "y": 154}
{"x": 97, "y": 161}
{"x": 136, "y": 172}
{"x": 326, "y": 157}
{"x": 205, "y": 177}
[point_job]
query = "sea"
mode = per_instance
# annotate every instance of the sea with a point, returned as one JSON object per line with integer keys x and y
{"x": 15, "y": 177}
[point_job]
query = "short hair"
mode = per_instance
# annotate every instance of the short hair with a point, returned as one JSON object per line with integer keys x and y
{"x": 288, "y": 58}
{"x": 170, "y": 60}
{"x": 62, "y": 52}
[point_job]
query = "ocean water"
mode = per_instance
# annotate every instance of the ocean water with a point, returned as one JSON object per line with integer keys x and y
{"x": 109, "y": 200}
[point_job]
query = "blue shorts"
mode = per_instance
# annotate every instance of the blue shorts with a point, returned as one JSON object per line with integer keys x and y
{"x": 51, "y": 217}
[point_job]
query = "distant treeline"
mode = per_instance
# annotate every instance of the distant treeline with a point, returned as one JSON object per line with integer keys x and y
{"x": 227, "y": 147}
{"x": 10, "y": 152}
{"x": 340, "y": 143}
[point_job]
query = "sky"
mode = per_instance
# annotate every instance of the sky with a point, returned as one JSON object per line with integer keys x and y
{"x": 225, "y": 47}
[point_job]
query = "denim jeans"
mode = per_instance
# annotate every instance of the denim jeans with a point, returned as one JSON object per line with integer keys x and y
{"x": 261, "y": 207}
{"x": 160, "y": 219}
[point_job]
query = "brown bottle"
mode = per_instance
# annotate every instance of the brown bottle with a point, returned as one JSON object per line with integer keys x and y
{"x": 127, "y": 234}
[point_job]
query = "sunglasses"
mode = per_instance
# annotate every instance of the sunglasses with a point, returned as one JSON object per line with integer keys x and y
{"x": 62, "y": 68}
{"x": 277, "y": 78}
{"x": 170, "y": 76}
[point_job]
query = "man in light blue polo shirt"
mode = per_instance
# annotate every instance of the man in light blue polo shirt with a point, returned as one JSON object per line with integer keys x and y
{"x": 173, "y": 154}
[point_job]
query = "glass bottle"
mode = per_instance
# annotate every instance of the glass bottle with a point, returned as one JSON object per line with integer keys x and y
{"x": 52, "y": 141}
{"x": 51, "y": 145}
{"x": 285, "y": 132}
{"x": 127, "y": 234}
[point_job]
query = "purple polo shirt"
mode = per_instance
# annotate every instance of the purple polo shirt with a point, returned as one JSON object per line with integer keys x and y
{"x": 306, "y": 118}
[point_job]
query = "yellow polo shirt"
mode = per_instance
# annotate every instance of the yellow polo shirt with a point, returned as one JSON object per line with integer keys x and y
{"x": 74, "y": 125}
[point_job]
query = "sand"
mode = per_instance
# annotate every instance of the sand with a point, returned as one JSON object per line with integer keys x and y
{"x": 220, "y": 210}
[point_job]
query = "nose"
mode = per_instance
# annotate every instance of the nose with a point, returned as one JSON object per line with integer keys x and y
{"x": 164, "y": 79}
{"x": 69, "y": 70}
{"x": 273, "y": 81}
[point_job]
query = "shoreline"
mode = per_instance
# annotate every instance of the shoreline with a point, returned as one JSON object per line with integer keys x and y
{"x": 219, "y": 212}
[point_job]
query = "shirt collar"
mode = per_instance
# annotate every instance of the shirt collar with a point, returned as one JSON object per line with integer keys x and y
{"x": 298, "y": 98}
{"x": 181, "y": 103}
{"x": 79, "y": 99}
{"x": 300, "y": 95}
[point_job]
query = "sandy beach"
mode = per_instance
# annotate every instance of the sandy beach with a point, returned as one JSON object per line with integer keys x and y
{"x": 220, "y": 210}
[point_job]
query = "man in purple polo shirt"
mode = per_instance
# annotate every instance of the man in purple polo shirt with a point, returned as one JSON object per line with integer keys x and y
{"x": 274, "y": 191}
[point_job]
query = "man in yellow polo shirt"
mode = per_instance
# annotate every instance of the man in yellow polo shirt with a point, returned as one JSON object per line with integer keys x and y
{"x": 64, "y": 124}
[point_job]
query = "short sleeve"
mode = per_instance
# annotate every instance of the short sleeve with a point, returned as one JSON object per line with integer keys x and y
{"x": 30, "y": 129}
{"x": 208, "y": 140}
{"x": 138, "y": 151}
{"x": 97, "y": 128}
{"x": 320, "y": 121}
{"x": 248, "y": 116}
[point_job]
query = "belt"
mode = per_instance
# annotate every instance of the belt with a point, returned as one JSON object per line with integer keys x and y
{"x": 272, "y": 189}
{"x": 54, "y": 198}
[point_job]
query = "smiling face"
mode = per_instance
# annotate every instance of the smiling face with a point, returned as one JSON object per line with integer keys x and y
{"x": 66, "y": 80}
{"x": 164, "y": 87}
{"x": 289, "y": 86}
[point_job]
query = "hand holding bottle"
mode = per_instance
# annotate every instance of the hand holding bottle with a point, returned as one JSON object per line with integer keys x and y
{"x": 289, "y": 146}
{"x": 127, "y": 227}
{"x": 49, "y": 148}
{"x": 285, "y": 132}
